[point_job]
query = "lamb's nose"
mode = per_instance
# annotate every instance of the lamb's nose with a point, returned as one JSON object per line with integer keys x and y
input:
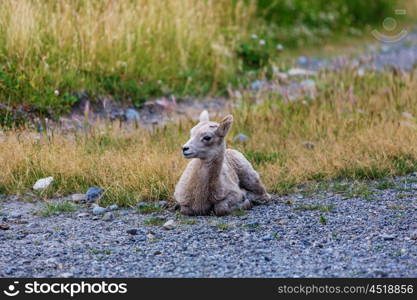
{"x": 184, "y": 149}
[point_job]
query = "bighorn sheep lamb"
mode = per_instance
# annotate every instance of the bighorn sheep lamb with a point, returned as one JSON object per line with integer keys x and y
{"x": 216, "y": 178}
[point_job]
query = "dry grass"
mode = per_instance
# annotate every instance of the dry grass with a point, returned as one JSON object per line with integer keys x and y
{"x": 356, "y": 124}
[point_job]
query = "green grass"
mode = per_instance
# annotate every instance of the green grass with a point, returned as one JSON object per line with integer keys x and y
{"x": 261, "y": 157}
{"x": 340, "y": 187}
{"x": 251, "y": 226}
{"x": 323, "y": 220}
{"x": 385, "y": 184}
{"x": 185, "y": 220}
{"x": 360, "y": 190}
{"x": 50, "y": 209}
{"x": 149, "y": 208}
{"x": 140, "y": 49}
{"x": 397, "y": 207}
{"x": 188, "y": 221}
{"x": 319, "y": 207}
{"x": 239, "y": 213}
{"x": 100, "y": 251}
{"x": 223, "y": 226}
{"x": 378, "y": 248}
{"x": 403, "y": 196}
{"x": 154, "y": 221}
{"x": 276, "y": 236}
{"x": 301, "y": 22}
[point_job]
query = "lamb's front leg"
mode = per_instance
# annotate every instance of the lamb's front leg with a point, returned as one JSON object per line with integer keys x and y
{"x": 222, "y": 208}
{"x": 186, "y": 210}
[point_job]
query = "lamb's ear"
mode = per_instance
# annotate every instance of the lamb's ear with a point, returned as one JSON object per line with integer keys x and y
{"x": 224, "y": 126}
{"x": 204, "y": 116}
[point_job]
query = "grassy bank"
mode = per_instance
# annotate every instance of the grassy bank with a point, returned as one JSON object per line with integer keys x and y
{"x": 130, "y": 49}
{"x": 137, "y": 49}
{"x": 357, "y": 127}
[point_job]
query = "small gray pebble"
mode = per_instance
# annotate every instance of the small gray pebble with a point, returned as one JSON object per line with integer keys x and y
{"x": 98, "y": 210}
{"x": 267, "y": 238}
{"x": 15, "y": 215}
{"x": 112, "y": 207}
{"x": 83, "y": 215}
{"x": 8, "y": 271}
{"x": 132, "y": 231}
{"x": 388, "y": 237}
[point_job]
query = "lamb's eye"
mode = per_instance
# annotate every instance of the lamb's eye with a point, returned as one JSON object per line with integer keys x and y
{"x": 207, "y": 138}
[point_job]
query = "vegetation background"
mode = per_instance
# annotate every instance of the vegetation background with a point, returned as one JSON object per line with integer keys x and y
{"x": 134, "y": 50}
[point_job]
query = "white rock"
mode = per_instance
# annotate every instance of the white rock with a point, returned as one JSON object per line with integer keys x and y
{"x": 66, "y": 275}
{"x": 170, "y": 224}
{"x": 112, "y": 207}
{"x": 43, "y": 183}
{"x": 83, "y": 215}
{"x": 78, "y": 197}
{"x": 300, "y": 72}
{"x": 388, "y": 237}
{"x": 109, "y": 216}
{"x": 279, "y": 47}
{"x": 150, "y": 236}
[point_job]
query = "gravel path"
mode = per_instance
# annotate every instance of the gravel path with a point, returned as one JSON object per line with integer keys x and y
{"x": 350, "y": 230}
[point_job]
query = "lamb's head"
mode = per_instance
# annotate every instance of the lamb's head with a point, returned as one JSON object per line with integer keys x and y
{"x": 207, "y": 138}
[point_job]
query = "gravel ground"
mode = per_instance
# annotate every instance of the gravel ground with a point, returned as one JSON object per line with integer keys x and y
{"x": 358, "y": 231}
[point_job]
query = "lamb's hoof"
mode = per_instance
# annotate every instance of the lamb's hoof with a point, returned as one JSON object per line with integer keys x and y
{"x": 187, "y": 211}
{"x": 261, "y": 199}
{"x": 246, "y": 205}
{"x": 221, "y": 209}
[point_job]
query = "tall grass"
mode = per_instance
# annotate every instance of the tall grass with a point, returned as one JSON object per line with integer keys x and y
{"x": 356, "y": 124}
{"x": 129, "y": 48}
{"x": 301, "y": 22}
{"x": 137, "y": 49}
